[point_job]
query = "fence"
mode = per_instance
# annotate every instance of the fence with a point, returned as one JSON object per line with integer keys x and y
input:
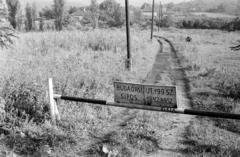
{"x": 56, "y": 117}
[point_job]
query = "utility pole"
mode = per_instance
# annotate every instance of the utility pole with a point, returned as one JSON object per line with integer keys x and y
{"x": 129, "y": 59}
{"x": 161, "y": 11}
{"x": 159, "y": 16}
{"x": 153, "y": 5}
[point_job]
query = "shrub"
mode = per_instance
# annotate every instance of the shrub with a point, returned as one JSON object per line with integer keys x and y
{"x": 25, "y": 100}
{"x": 227, "y": 85}
{"x": 210, "y": 23}
{"x": 6, "y": 37}
{"x": 165, "y": 22}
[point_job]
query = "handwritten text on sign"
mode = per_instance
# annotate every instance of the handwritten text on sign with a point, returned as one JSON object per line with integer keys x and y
{"x": 162, "y": 96}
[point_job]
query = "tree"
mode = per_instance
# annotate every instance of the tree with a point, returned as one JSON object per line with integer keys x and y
{"x": 72, "y": 10}
{"x": 170, "y": 6}
{"x": 221, "y": 8}
{"x": 112, "y": 13}
{"x": 31, "y": 16}
{"x": 94, "y": 13}
{"x": 41, "y": 24}
{"x": 34, "y": 14}
{"x": 6, "y": 37}
{"x": 6, "y": 33}
{"x": 146, "y": 5}
{"x": 137, "y": 16}
{"x": 20, "y": 20}
{"x": 237, "y": 11}
{"x": 58, "y": 8}
{"x": 47, "y": 13}
{"x": 13, "y": 7}
{"x": 29, "y": 20}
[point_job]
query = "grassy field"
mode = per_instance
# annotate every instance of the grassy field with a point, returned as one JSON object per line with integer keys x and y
{"x": 81, "y": 64}
{"x": 213, "y": 71}
{"x": 86, "y": 64}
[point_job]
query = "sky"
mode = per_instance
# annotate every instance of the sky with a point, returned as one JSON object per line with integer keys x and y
{"x": 122, "y": 2}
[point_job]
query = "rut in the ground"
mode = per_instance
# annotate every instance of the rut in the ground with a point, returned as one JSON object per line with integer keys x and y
{"x": 166, "y": 70}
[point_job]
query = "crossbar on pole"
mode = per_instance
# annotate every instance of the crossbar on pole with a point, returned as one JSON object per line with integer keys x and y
{"x": 152, "y": 108}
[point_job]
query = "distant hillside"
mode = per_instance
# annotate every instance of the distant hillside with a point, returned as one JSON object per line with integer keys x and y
{"x": 216, "y": 6}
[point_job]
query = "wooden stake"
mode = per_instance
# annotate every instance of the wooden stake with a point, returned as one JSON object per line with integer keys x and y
{"x": 53, "y": 105}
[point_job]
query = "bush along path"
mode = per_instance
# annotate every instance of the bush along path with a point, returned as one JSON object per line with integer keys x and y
{"x": 143, "y": 133}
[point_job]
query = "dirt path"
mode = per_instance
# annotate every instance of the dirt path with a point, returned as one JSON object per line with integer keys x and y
{"x": 165, "y": 71}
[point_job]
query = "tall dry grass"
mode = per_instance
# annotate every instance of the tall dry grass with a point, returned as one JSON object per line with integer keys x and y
{"x": 83, "y": 64}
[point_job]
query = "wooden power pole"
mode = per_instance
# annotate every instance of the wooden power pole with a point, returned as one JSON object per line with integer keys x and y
{"x": 129, "y": 59}
{"x": 159, "y": 16}
{"x": 153, "y": 5}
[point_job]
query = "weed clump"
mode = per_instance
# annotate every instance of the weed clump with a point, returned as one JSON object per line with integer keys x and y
{"x": 25, "y": 101}
{"x": 227, "y": 85}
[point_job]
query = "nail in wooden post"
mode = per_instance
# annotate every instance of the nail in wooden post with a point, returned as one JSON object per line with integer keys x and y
{"x": 52, "y": 103}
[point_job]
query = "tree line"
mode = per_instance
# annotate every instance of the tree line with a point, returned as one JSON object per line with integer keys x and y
{"x": 16, "y": 18}
{"x": 108, "y": 13}
{"x": 210, "y": 23}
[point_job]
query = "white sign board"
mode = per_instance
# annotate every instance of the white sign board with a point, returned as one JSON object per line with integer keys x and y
{"x": 161, "y": 96}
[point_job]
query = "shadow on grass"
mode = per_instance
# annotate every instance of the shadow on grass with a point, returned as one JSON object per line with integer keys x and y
{"x": 194, "y": 147}
{"x": 144, "y": 143}
{"x": 229, "y": 125}
{"x": 109, "y": 139}
{"x": 31, "y": 142}
{"x": 217, "y": 103}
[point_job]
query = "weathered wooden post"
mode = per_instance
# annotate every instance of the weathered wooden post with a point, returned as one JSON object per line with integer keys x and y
{"x": 129, "y": 59}
{"x": 153, "y": 5}
{"x": 53, "y": 105}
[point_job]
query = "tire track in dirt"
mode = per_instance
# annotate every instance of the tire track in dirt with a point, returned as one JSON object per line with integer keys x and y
{"x": 166, "y": 70}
